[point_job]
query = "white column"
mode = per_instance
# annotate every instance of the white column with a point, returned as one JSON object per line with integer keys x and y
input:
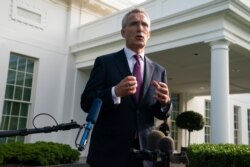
{"x": 220, "y": 113}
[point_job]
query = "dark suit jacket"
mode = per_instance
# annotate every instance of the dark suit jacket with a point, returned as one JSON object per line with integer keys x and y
{"x": 113, "y": 134}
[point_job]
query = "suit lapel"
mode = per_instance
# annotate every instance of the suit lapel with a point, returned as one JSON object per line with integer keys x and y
{"x": 147, "y": 78}
{"x": 121, "y": 63}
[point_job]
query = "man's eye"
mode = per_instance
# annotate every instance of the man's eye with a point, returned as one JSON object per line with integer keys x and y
{"x": 133, "y": 24}
{"x": 144, "y": 24}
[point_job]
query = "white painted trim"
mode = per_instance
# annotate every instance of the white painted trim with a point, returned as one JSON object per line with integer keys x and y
{"x": 18, "y": 5}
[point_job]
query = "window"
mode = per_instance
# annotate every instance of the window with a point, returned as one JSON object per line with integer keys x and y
{"x": 236, "y": 124}
{"x": 248, "y": 122}
{"x": 174, "y": 130}
{"x": 17, "y": 99}
{"x": 207, "y": 121}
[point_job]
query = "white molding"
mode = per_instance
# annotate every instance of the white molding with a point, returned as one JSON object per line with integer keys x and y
{"x": 91, "y": 43}
{"x": 207, "y": 22}
{"x": 28, "y": 14}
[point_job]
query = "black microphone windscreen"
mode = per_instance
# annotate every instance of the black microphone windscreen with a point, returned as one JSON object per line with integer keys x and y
{"x": 94, "y": 111}
{"x": 154, "y": 139}
{"x": 142, "y": 154}
{"x": 166, "y": 145}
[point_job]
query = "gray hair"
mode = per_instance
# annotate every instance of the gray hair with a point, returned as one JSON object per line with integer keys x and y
{"x": 125, "y": 18}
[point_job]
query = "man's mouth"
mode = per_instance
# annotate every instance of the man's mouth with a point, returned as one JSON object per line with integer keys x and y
{"x": 139, "y": 37}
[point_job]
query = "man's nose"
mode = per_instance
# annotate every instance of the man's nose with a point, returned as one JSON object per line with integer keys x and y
{"x": 140, "y": 26}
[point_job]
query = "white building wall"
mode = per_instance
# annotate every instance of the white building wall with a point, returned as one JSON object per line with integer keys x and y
{"x": 197, "y": 104}
{"x": 46, "y": 44}
{"x": 57, "y": 83}
{"x": 243, "y": 101}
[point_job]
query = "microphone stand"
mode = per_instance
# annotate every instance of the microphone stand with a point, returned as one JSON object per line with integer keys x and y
{"x": 157, "y": 157}
{"x": 165, "y": 160}
{"x": 47, "y": 129}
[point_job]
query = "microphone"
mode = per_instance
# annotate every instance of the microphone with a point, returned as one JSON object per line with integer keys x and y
{"x": 166, "y": 145}
{"x": 91, "y": 119}
{"x": 152, "y": 148}
{"x": 154, "y": 140}
{"x": 142, "y": 154}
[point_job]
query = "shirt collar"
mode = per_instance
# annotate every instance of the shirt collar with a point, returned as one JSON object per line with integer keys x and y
{"x": 129, "y": 53}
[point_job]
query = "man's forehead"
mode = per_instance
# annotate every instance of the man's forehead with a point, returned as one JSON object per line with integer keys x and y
{"x": 138, "y": 16}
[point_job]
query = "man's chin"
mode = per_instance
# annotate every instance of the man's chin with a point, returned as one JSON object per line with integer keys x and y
{"x": 140, "y": 44}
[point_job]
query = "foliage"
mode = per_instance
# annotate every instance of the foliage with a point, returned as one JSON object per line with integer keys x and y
{"x": 37, "y": 154}
{"x": 219, "y": 155}
{"x": 190, "y": 120}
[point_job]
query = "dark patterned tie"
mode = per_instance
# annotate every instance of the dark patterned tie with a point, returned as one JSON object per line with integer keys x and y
{"x": 137, "y": 74}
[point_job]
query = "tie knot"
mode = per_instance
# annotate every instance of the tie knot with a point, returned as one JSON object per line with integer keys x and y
{"x": 137, "y": 57}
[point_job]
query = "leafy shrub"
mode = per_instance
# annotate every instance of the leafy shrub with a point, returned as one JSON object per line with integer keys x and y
{"x": 37, "y": 154}
{"x": 219, "y": 155}
{"x": 191, "y": 121}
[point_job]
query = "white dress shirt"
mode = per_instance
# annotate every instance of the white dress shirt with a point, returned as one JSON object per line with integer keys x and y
{"x": 131, "y": 62}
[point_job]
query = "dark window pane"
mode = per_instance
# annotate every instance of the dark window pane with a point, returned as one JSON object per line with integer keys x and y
{"x": 15, "y": 108}
{"x": 2, "y": 123}
{"x": 26, "y": 94}
{"x": 20, "y": 138}
{"x": 5, "y": 122}
{"x": 22, "y": 64}
{"x": 13, "y": 123}
{"x": 18, "y": 93}
{"x": 206, "y": 121}
{"x": 24, "y": 109}
{"x": 22, "y": 123}
{"x": 28, "y": 80}
{"x": 11, "y": 139}
{"x": 30, "y": 66}
{"x": 11, "y": 77}
{"x": 3, "y": 140}
{"x": 13, "y": 62}
{"x": 6, "y": 108}
{"x": 20, "y": 78}
{"x": 9, "y": 91}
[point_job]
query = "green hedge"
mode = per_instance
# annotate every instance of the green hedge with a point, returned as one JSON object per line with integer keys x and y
{"x": 218, "y": 155}
{"x": 37, "y": 154}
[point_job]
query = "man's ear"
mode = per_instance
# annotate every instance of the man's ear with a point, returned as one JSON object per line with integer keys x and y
{"x": 122, "y": 33}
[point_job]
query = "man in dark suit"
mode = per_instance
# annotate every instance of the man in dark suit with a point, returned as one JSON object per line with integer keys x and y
{"x": 130, "y": 102}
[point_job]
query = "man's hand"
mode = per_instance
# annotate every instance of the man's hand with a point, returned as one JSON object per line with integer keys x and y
{"x": 162, "y": 92}
{"x": 126, "y": 87}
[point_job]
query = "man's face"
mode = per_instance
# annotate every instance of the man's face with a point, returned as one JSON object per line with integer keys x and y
{"x": 136, "y": 32}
